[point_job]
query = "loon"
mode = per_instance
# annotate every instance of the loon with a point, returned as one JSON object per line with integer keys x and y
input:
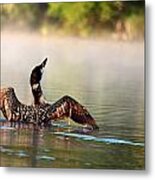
{"x": 41, "y": 113}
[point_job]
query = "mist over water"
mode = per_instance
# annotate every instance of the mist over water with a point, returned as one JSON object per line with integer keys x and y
{"x": 104, "y": 75}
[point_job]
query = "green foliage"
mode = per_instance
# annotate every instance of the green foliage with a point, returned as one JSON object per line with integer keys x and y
{"x": 22, "y": 14}
{"x": 80, "y": 18}
{"x": 71, "y": 16}
{"x": 136, "y": 26}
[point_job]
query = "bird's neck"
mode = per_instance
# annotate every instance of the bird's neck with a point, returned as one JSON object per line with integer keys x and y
{"x": 37, "y": 94}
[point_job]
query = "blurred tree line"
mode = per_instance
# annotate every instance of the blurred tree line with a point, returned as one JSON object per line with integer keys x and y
{"x": 77, "y": 18}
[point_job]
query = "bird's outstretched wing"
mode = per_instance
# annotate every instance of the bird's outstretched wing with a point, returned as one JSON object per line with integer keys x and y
{"x": 64, "y": 107}
{"x": 68, "y": 107}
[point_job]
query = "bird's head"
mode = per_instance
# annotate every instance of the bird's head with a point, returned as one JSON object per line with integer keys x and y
{"x": 37, "y": 72}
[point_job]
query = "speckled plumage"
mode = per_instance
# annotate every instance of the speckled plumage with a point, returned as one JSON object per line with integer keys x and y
{"x": 42, "y": 112}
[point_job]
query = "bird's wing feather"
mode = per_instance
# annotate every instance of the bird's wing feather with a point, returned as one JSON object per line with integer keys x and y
{"x": 68, "y": 107}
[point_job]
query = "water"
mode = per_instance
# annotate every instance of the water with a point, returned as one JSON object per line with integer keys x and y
{"x": 107, "y": 77}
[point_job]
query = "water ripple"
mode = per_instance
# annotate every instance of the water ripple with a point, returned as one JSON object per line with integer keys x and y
{"x": 19, "y": 153}
{"x": 45, "y": 158}
{"x": 7, "y": 128}
{"x": 97, "y": 139}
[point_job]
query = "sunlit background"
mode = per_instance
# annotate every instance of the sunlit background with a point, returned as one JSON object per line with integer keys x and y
{"x": 118, "y": 19}
{"x": 96, "y": 55}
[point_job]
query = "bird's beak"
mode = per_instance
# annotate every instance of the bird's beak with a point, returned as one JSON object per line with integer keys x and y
{"x": 43, "y": 63}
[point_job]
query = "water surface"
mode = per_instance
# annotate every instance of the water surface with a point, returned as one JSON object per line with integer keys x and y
{"x": 107, "y": 77}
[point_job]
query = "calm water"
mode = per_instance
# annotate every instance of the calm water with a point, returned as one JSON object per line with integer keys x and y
{"x": 107, "y": 77}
